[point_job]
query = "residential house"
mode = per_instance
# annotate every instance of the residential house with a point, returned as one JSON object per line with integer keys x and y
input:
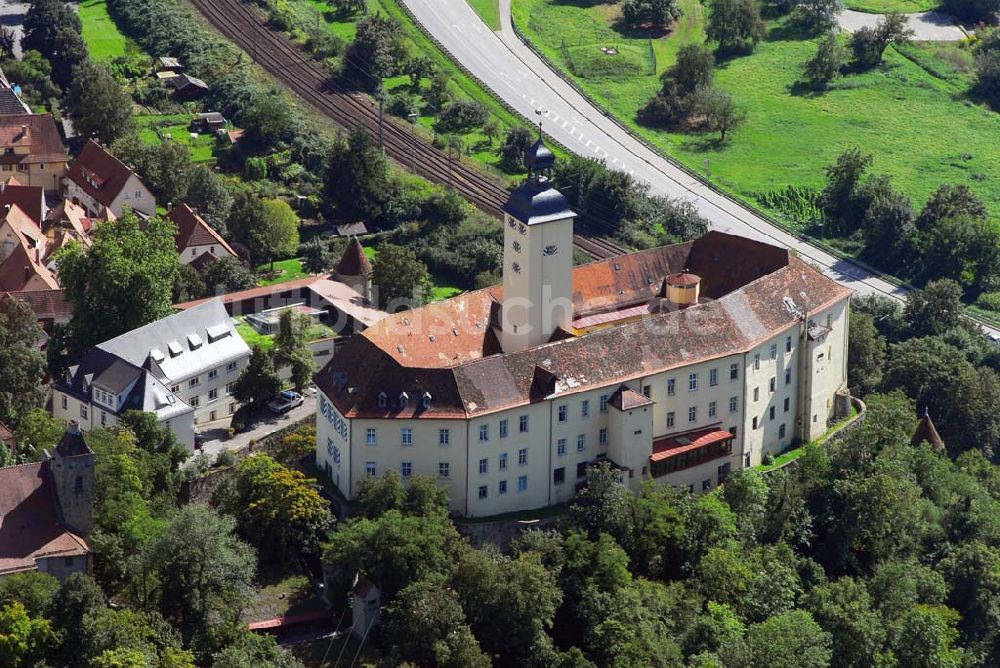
{"x": 187, "y": 87}
{"x": 180, "y": 368}
{"x": 676, "y": 364}
{"x": 23, "y": 251}
{"x": 31, "y": 148}
{"x": 208, "y": 122}
{"x": 169, "y": 64}
{"x": 99, "y": 181}
{"x": 46, "y": 510}
{"x": 31, "y": 199}
{"x": 196, "y": 238}
{"x": 50, "y": 306}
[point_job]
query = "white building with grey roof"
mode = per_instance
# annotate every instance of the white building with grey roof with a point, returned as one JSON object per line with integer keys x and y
{"x": 181, "y": 368}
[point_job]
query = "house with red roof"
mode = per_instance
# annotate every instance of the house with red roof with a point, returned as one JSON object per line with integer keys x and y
{"x": 196, "y": 240}
{"x": 31, "y": 148}
{"x": 47, "y": 510}
{"x": 98, "y": 181}
{"x": 30, "y": 199}
{"x": 23, "y": 251}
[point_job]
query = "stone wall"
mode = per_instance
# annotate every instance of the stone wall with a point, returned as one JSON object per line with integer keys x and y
{"x": 201, "y": 489}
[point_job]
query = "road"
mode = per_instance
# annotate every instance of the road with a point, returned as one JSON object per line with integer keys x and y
{"x": 525, "y": 82}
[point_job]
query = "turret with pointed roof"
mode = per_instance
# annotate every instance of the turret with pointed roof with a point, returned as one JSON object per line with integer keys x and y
{"x": 926, "y": 432}
{"x": 354, "y": 269}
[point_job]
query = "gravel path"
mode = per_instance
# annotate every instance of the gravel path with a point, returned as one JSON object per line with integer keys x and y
{"x": 927, "y": 26}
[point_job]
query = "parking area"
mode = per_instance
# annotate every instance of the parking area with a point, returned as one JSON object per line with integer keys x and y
{"x": 217, "y": 436}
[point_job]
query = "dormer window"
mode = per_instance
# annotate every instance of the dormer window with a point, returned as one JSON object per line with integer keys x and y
{"x": 381, "y": 399}
{"x": 404, "y": 398}
{"x": 425, "y": 400}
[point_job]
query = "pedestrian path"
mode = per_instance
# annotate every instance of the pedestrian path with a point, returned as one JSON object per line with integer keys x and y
{"x": 926, "y": 26}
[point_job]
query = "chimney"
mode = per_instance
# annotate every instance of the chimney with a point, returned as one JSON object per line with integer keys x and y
{"x": 27, "y": 272}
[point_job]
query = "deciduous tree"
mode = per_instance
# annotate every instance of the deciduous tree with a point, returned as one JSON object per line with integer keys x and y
{"x": 402, "y": 280}
{"x": 735, "y": 25}
{"x": 22, "y": 365}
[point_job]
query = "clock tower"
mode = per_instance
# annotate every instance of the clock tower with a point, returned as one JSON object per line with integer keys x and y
{"x": 537, "y": 257}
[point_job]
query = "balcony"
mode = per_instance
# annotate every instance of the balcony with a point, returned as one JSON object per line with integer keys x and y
{"x": 683, "y": 451}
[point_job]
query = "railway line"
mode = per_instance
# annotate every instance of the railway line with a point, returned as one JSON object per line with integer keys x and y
{"x": 286, "y": 62}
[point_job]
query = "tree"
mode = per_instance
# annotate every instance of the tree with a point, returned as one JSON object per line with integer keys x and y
{"x": 839, "y": 199}
{"x": 250, "y": 650}
{"x": 271, "y": 121}
{"x": 291, "y": 349}
{"x": 988, "y": 76}
{"x": 790, "y": 640}
{"x": 927, "y": 638}
{"x": 22, "y": 365}
{"x": 376, "y": 52}
{"x": 461, "y": 116}
{"x": 122, "y": 282}
{"x": 401, "y": 279}
{"x": 70, "y": 52}
{"x": 935, "y": 309}
{"x": 865, "y": 353}
{"x": 227, "y": 274}
{"x": 735, "y": 25}
{"x": 509, "y": 602}
{"x": 602, "y": 506}
{"x": 825, "y": 66}
{"x": 817, "y": 16}
{"x": 43, "y": 23}
{"x": 956, "y": 239}
{"x": 514, "y": 149}
{"x": 169, "y": 181}
{"x": 204, "y": 573}
{"x": 35, "y": 590}
{"x": 259, "y": 381}
{"x": 694, "y": 69}
{"x": 358, "y": 178}
{"x": 720, "y": 112}
{"x": 33, "y": 73}
{"x": 973, "y": 11}
{"x": 394, "y": 549}
{"x": 491, "y": 128}
{"x": 23, "y": 639}
{"x": 844, "y": 608}
{"x": 426, "y": 625}
{"x": 657, "y": 14}
{"x": 188, "y": 284}
{"x": 888, "y": 224}
{"x": 316, "y": 257}
{"x": 277, "y": 509}
{"x": 8, "y": 40}
{"x": 207, "y": 193}
{"x": 100, "y": 107}
{"x": 277, "y": 232}
{"x": 869, "y": 44}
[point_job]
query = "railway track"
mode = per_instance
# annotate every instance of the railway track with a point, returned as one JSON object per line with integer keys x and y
{"x": 287, "y": 63}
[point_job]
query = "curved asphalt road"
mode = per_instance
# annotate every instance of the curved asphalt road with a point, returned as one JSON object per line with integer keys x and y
{"x": 525, "y": 82}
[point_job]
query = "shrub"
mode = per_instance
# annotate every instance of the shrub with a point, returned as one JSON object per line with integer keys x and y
{"x": 768, "y": 459}
{"x": 461, "y": 117}
{"x": 225, "y": 458}
{"x": 989, "y": 301}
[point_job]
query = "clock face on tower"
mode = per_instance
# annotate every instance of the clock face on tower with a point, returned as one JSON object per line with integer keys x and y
{"x": 521, "y": 228}
{"x": 551, "y": 249}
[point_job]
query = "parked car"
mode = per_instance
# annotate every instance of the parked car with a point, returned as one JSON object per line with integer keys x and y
{"x": 285, "y": 402}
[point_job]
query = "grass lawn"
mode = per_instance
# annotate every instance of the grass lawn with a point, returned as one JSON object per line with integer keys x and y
{"x": 252, "y": 337}
{"x": 791, "y": 455}
{"x": 489, "y": 12}
{"x": 175, "y": 126}
{"x": 289, "y": 270}
{"x": 104, "y": 40}
{"x": 911, "y": 112}
{"x": 291, "y": 595}
{"x": 886, "y": 6}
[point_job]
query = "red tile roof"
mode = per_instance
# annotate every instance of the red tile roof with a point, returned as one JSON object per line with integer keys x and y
{"x": 671, "y": 446}
{"x": 254, "y": 293}
{"x": 354, "y": 262}
{"x": 47, "y": 304}
{"x": 100, "y": 174}
{"x": 29, "y": 526}
{"x": 42, "y": 138}
{"x": 192, "y": 230}
{"x": 30, "y": 199}
{"x": 450, "y": 350}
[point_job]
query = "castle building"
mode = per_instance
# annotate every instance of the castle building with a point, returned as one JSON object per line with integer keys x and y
{"x": 47, "y": 510}
{"x": 678, "y": 364}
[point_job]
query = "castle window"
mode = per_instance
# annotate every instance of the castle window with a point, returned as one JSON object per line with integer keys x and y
{"x": 482, "y": 492}
{"x": 503, "y": 428}
{"x": 403, "y": 399}
{"x": 523, "y": 424}
{"x": 516, "y": 267}
{"x": 604, "y": 403}
{"x": 381, "y": 399}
